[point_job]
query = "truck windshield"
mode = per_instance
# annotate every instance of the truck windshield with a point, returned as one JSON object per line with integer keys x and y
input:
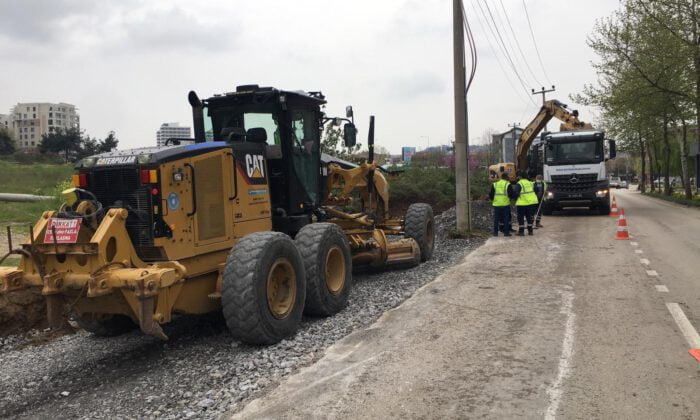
{"x": 569, "y": 153}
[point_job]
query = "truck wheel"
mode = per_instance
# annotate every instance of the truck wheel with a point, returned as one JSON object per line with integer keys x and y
{"x": 328, "y": 265}
{"x": 107, "y": 325}
{"x": 263, "y": 288}
{"x": 421, "y": 227}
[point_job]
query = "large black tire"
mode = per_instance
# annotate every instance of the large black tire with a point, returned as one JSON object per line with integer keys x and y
{"x": 106, "y": 327}
{"x": 328, "y": 264}
{"x": 420, "y": 226}
{"x": 264, "y": 288}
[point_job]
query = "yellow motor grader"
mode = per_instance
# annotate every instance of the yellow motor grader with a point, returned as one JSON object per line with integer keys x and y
{"x": 246, "y": 218}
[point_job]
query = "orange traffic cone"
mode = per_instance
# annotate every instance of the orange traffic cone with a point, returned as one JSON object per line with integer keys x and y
{"x": 622, "y": 227}
{"x": 613, "y": 209}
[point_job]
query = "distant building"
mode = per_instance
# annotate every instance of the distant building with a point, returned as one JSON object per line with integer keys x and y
{"x": 170, "y": 131}
{"x": 407, "y": 153}
{"x": 29, "y": 121}
{"x": 503, "y": 145}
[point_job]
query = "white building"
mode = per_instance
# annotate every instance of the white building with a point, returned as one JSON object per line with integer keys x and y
{"x": 29, "y": 121}
{"x": 172, "y": 130}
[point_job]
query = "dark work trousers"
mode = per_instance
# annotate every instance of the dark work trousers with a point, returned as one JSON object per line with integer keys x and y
{"x": 525, "y": 212}
{"x": 501, "y": 220}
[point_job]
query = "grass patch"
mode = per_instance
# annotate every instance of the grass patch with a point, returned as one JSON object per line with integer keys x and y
{"x": 678, "y": 198}
{"x": 39, "y": 178}
{"x": 15, "y": 212}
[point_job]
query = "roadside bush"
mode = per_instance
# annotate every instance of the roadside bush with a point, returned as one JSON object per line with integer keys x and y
{"x": 435, "y": 186}
{"x": 678, "y": 198}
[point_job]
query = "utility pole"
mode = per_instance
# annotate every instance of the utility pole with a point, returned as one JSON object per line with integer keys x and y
{"x": 543, "y": 92}
{"x": 464, "y": 219}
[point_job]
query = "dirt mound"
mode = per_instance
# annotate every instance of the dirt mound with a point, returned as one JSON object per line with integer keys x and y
{"x": 22, "y": 310}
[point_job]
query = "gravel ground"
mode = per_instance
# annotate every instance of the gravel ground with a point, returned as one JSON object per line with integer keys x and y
{"x": 201, "y": 372}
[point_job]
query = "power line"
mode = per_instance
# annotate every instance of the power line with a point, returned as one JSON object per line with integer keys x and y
{"x": 517, "y": 43}
{"x": 500, "y": 63}
{"x": 472, "y": 47}
{"x": 537, "y": 50}
{"x": 503, "y": 46}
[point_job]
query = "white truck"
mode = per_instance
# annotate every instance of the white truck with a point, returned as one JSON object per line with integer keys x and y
{"x": 574, "y": 168}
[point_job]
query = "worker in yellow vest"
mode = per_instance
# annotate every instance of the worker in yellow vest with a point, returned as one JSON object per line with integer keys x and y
{"x": 525, "y": 204}
{"x": 500, "y": 194}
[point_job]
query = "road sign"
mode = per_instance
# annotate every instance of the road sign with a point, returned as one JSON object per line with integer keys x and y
{"x": 66, "y": 231}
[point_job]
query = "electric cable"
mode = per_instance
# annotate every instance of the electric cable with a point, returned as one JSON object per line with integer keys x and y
{"x": 497, "y": 36}
{"x": 537, "y": 50}
{"x": 517, "y": 44}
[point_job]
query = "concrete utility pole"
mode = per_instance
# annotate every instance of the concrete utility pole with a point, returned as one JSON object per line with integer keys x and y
{"x": 543, "y": 92}
{"x": 464, "y": 217}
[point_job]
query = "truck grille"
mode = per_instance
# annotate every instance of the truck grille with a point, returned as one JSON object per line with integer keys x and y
{"x": 574, "y": 183}
{"x": 113, "y": 185}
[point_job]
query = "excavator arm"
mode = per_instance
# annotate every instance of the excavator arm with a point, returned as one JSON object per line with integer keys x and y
{"x": 550, "y": 109}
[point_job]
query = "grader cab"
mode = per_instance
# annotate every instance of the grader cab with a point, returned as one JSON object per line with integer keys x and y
{"x": 248, "y": 219}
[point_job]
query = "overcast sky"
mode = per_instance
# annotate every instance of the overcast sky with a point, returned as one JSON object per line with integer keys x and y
{"x": 128, "y": 64}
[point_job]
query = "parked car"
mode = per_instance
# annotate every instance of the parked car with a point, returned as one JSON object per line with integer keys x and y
{"x": 614, "y": 182}
{"x": 623, "y": 184}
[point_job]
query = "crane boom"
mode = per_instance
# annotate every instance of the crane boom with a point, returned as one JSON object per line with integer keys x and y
{"x": 550, "y": 109}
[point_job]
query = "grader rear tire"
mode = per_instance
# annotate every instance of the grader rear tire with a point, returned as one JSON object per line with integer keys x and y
{"x": 328, "y": 265}
{"x": 264, "y": 287}
{"x": 106, "y": 327}
{"x": 420, "y": 226}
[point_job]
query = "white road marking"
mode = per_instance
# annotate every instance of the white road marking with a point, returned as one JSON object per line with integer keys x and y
{"x": 652, "y": 273}
{"x": 661, "y": 288}
{"x": 685, "y": 326}
{"x": 554, "y": 391}
{"x": 638, "y": 251}
{"x": 644, "y": 261}
{"x": 634, "y": 244}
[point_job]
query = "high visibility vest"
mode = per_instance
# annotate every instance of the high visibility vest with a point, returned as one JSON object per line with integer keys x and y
{"x": 527, "y": 194}
{"x": 500, "y": 197}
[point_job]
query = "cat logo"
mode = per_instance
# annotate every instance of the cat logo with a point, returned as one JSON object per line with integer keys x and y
{"x": 255, "y": 166}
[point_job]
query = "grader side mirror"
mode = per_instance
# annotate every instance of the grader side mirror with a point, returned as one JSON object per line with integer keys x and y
{"x": 350, "y": 135}
{"x": 348, "y": 111}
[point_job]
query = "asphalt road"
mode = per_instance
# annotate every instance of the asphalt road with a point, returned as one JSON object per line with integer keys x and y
{"x": 566, "y": 324}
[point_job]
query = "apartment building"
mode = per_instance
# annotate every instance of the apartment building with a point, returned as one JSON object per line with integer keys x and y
{"x": 172, "y": 130}
{"x": 28, "y": 122}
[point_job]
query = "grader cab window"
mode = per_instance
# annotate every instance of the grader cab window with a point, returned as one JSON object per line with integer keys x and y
{"x": 305, "y": 150}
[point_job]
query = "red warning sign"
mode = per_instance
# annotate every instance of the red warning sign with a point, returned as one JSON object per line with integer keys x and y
{"x": 66, "y": 231}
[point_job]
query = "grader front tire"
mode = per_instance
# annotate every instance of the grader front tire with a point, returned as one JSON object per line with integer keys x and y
{"x": 264, "y": 288}
{"x": 420, "y": 226}
{"x": 328, "y": 264}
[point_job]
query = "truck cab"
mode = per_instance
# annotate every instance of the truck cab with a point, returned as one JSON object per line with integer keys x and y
{"x": 574, "y": 169}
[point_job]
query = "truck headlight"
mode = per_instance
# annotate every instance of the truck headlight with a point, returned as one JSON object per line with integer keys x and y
{"x": 601, "y": 193}
{"x": 550, "y": 195}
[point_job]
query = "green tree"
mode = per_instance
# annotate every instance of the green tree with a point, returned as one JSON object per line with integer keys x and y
{"x": 109, "y": 143}
{"x": 67, "y": 142}
{"x": 7, "y": 145}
